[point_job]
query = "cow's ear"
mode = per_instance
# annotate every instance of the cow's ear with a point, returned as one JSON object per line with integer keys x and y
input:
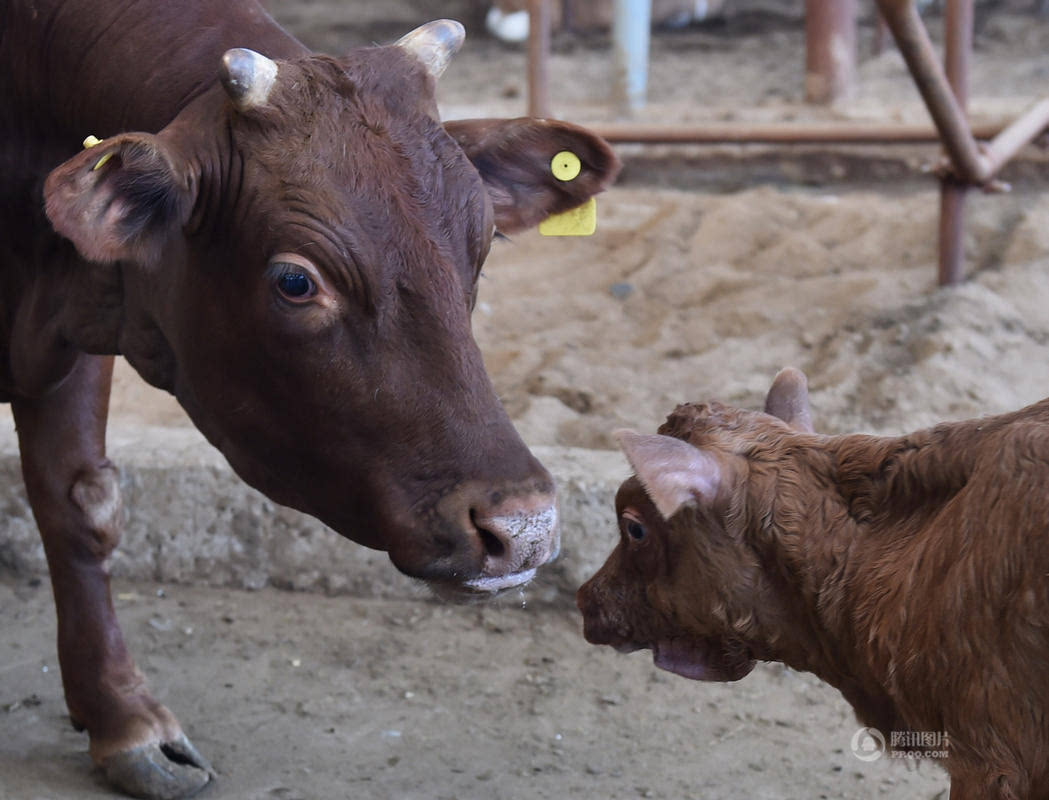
{"x": 674, "y": 473}
{"x": 788, "y": 399}
{"x": 515, "y": 158}
{"x": 120, "y": 199}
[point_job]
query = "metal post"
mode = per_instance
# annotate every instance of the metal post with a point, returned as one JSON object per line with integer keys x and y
{"x": 958, "y": 30}
{"x": 917, "y": 50}
{"x": 881, "y": 33}
{"x": 631, "y": 32}
{"x": 539, "y": 58}
{"x": 830, "y": 49}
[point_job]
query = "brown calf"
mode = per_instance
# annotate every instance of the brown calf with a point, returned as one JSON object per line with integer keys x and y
{"x": 911, "y": 573}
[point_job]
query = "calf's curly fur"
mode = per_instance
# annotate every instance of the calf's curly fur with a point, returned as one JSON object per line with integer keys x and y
{"x": 911, "y": 573}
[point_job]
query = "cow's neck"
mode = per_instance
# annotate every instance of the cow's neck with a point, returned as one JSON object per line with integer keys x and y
{"x": 73, "y": 306}
{"x": 139, "y": 63}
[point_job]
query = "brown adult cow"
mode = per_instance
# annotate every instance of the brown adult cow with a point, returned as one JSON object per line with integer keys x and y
{"x": 909, "y": 572}
{"x": 293, "y": 252}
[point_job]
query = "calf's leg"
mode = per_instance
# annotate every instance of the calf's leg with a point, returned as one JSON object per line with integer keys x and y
{"x": 75, "y": 497}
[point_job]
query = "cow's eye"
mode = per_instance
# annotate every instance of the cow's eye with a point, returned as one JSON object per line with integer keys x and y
{"x": 295, "y": 285}
{"x": 635, "y": 530}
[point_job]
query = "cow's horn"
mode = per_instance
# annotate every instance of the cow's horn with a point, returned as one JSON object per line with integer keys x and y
{"x": 435, "y": 43}
{"x": 247, "y": 77}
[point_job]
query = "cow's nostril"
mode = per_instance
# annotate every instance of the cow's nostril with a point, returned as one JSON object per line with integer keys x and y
{"x": 493, "y": 545}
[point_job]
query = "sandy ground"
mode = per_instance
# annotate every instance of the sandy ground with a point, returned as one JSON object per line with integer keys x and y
{"x": 301, "y": 697}
{"x": 683, "y": 295}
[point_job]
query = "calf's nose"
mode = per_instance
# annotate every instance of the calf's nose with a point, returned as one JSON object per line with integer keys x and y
{"x": 602, "y": 610}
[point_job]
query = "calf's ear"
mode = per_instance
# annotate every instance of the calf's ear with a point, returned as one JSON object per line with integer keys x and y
{"x": 788, "y": 399}
{"x": 119, "y": 199}
{"x": 674, "y": 473}
{"x": 515, "y": 158}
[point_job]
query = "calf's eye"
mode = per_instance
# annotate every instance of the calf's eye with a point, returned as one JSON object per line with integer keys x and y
{"x": 295, "y": 285}
{"x": 635, "y": 530}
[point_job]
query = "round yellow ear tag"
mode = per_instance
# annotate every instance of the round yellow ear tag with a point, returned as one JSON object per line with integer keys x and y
{"x": 566, "y": 165}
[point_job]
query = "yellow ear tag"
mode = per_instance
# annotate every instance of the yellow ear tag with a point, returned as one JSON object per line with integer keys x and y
{"x": 579, "y": 221}
{"x": 90, "y": 142}
{"x": 566, "y": 166}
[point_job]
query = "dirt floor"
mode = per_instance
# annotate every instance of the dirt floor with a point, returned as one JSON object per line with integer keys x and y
{"x": 686, "y": 293}
{"x": 301, "y": 697}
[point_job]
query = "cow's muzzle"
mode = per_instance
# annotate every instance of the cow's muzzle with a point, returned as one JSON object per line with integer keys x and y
{"x": 488, "y": 540}
{"x": 518, "y": 539}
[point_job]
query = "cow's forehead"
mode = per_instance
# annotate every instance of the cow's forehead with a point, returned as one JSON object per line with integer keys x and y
{"x": 350, "y": 154}
{"x": 380, "y": 87}
{"x": 321, "y": 107}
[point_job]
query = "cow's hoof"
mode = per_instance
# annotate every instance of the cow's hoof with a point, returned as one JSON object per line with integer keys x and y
{"x": 162, "y": 771}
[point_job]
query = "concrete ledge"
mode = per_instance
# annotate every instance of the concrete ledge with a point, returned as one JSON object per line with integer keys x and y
{"x": 189, "y": 519}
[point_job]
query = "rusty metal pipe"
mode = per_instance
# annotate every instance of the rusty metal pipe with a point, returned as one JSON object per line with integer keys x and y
{"x": 1006, "y": 144}
{"x": 830, "y": 49}
{"x": 881, "y": 35}
{"x": 958, "y": 32}
{"x": 748, "y": 133}
{"x": 539, "y": 58}
{"x": 948, "y": 116}
{"x": 951, "y": 233}
{"x": 958, "y": 42}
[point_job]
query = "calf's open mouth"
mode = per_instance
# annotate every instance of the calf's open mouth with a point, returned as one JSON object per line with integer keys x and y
{"x": 703, "y": 659}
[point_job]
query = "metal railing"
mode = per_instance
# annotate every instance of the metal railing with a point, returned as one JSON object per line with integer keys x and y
{"x": 973, "y": 156}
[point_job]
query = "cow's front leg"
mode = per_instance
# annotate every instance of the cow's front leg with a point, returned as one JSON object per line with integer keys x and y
{"x": 75, "y": 497}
